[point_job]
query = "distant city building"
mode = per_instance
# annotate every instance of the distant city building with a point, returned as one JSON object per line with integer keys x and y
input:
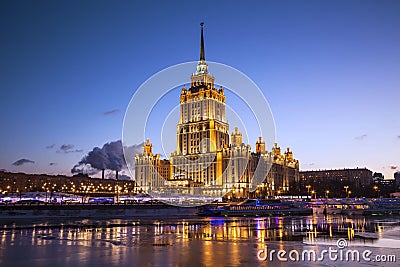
{"x": 77, "y": 184}
{"x": 337, "y": 182}
{"x": 397, "y": 178}
{"x": 383, "y": 187}
{"x": 207, "y": 155}
{"x": 378, "y": 177}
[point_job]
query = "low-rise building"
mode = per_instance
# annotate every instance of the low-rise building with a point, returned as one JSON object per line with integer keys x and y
{"x": 337, "y": 182}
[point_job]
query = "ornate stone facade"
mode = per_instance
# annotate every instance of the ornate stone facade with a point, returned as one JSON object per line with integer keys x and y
{"x": 206, "y": 156}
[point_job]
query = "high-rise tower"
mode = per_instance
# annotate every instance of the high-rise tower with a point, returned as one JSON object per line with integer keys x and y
{"x": 207, "y": 160}
{"x": 202, "y": 130}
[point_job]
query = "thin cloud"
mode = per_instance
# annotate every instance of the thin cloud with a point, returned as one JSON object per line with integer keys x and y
{"x": 68, "y": 148}
{"x": 22, "y": 162}
{"x": 3, "y": 170}
{"x": 50, "y": 146}
{"x": 361, "y": 137}
{"x": 111, "y": 112}
{"x": 52, "y": 163}
{"x": 308, "y": 166}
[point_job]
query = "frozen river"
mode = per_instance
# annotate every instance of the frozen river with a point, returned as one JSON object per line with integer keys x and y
{"x": 201, "y": 242}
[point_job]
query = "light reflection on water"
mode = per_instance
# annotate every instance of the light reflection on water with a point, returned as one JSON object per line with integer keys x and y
{"x": 174, "y": 242}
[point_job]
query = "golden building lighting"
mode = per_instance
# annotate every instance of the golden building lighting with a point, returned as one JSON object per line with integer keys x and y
{"x": 207, "y": 155}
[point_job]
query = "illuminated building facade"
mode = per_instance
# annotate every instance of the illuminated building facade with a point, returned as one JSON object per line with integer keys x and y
{"x": 11, "y": 183}
{"x": 207, "y": 155}
{"x": 149, "y": 168}
{"x": 202, "y": 130}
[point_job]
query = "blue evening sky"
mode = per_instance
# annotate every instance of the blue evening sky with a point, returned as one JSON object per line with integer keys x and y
{"x": 330, "y": 71}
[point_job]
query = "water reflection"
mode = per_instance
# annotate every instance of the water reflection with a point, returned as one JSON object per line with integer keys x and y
{"x": 227, "y": 229}
{"x": 215, "y": 239}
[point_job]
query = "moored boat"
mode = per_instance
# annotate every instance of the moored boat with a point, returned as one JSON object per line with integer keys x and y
{"x": 258, "y": 207}
{"x": 356, "y": 206}
{"x": 341, "y": 206}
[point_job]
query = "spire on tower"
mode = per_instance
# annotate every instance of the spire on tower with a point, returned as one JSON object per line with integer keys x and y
{"x": 202, "y": 53}
{"x": 201, "y": 76}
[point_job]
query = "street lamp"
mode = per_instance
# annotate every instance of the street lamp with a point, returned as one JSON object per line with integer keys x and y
{"x": 308, "y": 188}
{"x": 326, "y": 193}
{"x": 314, "y": 193}
{"x": 348, "y": 193}
{"x": 346, "y": 187}
{"x": 376, "y": 188}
